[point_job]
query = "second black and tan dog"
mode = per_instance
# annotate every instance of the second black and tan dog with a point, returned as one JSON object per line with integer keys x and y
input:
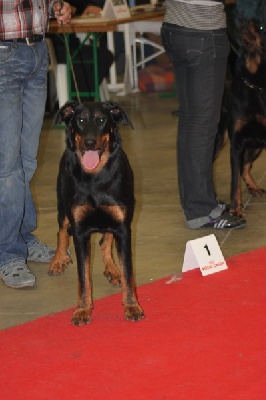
{"x": 246, "y": 112}
{"x": 95, "y": 192}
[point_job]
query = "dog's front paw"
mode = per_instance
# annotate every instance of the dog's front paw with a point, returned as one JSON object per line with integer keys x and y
{"x": 114, "y": 279}
{"x": 134, "y": 313}
{"x": 81, "y": 316}
{"x": 59, "y": 264}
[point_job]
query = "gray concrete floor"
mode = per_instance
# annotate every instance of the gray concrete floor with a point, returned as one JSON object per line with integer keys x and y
{"x": 159, "y": 231}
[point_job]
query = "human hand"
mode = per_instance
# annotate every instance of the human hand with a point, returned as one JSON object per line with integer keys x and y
{"x": 62, "y": 12}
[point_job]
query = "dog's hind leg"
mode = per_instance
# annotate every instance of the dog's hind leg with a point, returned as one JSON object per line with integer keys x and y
{"x": 222, "y": 134}
{"x": 133, "y": 311}
{"x": 111, "y": 271}
{"x": 235, "y": 190}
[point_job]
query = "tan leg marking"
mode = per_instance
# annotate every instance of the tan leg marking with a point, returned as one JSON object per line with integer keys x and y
{"x": 111, "y": 271}
{"x": 61, "y": 259}
{"x": 82, "y": 315}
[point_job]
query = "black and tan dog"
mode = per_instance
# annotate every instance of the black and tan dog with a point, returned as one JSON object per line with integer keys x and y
{"x": 95, "y": 193}
{"x": 246, "y": 113}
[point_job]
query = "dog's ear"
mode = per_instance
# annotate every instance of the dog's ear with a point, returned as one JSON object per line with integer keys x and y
{"x": 65, "y": 113}
{"x": 118, "y": 114}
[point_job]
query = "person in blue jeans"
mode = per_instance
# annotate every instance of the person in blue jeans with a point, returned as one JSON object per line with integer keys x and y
{"x": 23, "y": 79}
{"x": 195, "y": 38}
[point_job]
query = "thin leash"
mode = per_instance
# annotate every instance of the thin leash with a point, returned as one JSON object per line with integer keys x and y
{"x": 70, "y": 62}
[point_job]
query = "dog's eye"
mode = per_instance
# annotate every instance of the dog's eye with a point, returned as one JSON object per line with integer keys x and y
{"x": 81, "y": 120}
{"x": 100, "y": 120}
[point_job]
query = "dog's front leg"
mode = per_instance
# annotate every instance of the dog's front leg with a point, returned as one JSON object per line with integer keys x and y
{"x": 82, "y": 315}
{"x": 61, "y": 258}
{"x": 133, "y": 311}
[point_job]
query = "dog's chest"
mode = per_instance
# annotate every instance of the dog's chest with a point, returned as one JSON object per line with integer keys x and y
{"x": 98, "y": 213}
{"x": 99, "y": 197}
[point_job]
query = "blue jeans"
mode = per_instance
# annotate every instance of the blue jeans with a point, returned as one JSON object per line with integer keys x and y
{"x": 23, "y": 90}
{"x": 200, "y": 61}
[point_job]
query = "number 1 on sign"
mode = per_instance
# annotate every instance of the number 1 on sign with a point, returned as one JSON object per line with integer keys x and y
{"x": 204, "y": 253}
{"x": 207, "y": 249}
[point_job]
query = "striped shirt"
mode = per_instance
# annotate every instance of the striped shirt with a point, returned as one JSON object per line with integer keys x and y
{"x": 22, "y": 18}
{"x": 196, "y": 14}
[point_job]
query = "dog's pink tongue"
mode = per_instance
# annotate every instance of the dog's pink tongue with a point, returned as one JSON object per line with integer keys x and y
{"x": 90, "y": 159}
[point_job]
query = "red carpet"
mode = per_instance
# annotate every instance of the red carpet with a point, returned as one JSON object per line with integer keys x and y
{"x": 203, "y": 338}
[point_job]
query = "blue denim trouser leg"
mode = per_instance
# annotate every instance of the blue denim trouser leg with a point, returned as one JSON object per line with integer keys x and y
{"x": 200, "y": 61}
{"x": 23, "y": 89}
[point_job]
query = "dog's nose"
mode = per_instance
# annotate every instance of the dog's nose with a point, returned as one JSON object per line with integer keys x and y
{"x": 90, "y": 143}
